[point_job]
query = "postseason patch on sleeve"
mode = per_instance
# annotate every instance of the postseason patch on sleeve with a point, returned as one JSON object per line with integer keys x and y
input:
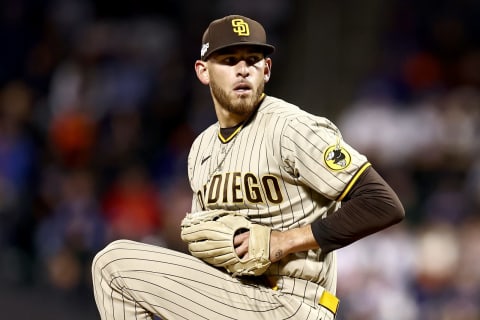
{"x": 337, "y": 158}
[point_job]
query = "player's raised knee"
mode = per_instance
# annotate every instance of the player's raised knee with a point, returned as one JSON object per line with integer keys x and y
{"x": 109, "y": 254}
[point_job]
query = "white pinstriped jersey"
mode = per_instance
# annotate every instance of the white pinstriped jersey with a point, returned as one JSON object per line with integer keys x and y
{"x": 284, "y": 168}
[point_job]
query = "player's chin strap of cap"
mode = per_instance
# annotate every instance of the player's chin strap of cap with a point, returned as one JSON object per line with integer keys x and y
{"x": 327, "y": 300}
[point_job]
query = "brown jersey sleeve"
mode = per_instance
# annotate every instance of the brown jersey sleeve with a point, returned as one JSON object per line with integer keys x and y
{"x": 370, "y": 206}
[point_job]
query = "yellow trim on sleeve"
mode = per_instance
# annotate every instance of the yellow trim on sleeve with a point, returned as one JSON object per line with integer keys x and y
{"x": 352, "y": 182}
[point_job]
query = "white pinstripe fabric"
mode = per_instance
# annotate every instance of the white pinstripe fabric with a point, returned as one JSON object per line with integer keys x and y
{"x": 284, "y": 146}
{"x": 274, "y": 172}
{"x": 134, "y": 281}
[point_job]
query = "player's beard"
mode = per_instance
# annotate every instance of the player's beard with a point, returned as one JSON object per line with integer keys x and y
{"x": 237, "y": 104}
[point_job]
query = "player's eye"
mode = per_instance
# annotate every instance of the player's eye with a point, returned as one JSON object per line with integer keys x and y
{"x": 230, "y": 60}
{"x": 251, "y": 60}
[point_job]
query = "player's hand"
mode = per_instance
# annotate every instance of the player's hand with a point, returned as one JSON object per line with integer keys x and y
{"x": 283, "y": 243}
{"x": 277, "y": 252}
{"x": 240, "y": 242}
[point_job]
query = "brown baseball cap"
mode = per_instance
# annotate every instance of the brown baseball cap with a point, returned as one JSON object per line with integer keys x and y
{"x": 234, "y": 30}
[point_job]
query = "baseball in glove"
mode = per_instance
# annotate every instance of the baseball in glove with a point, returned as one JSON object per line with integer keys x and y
{"x": 209, "y": 235}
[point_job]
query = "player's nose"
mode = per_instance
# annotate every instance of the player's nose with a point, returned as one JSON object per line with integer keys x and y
{"x": 242, "y": 68}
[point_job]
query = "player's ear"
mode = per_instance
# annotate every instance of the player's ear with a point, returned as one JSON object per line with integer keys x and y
{"x": 202, "y": 72}
{"x": 268, "y": 69}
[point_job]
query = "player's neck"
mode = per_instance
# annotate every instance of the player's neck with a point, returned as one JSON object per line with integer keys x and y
{"x": 228, "y": 119}
{"x": 231, "y": 121}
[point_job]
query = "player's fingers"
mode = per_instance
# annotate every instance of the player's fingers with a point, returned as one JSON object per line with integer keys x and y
{"x": 240, "y": 242}
{"x": 240, "y": 238}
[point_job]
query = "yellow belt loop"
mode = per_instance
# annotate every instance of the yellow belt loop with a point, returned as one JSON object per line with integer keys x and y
{"x": 329, "y": 301}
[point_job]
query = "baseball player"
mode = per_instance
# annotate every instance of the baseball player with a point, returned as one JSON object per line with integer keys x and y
{"x": 276, "y": 191}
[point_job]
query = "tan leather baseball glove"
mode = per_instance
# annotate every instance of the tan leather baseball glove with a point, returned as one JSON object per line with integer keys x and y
{"x": 209, "y": 235}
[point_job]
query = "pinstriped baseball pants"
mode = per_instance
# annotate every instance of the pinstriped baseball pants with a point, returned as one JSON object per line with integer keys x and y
{"x": 133, "y": 280}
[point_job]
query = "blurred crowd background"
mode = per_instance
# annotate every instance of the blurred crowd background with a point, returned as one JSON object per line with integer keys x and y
{"x": 99, "y": 104}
